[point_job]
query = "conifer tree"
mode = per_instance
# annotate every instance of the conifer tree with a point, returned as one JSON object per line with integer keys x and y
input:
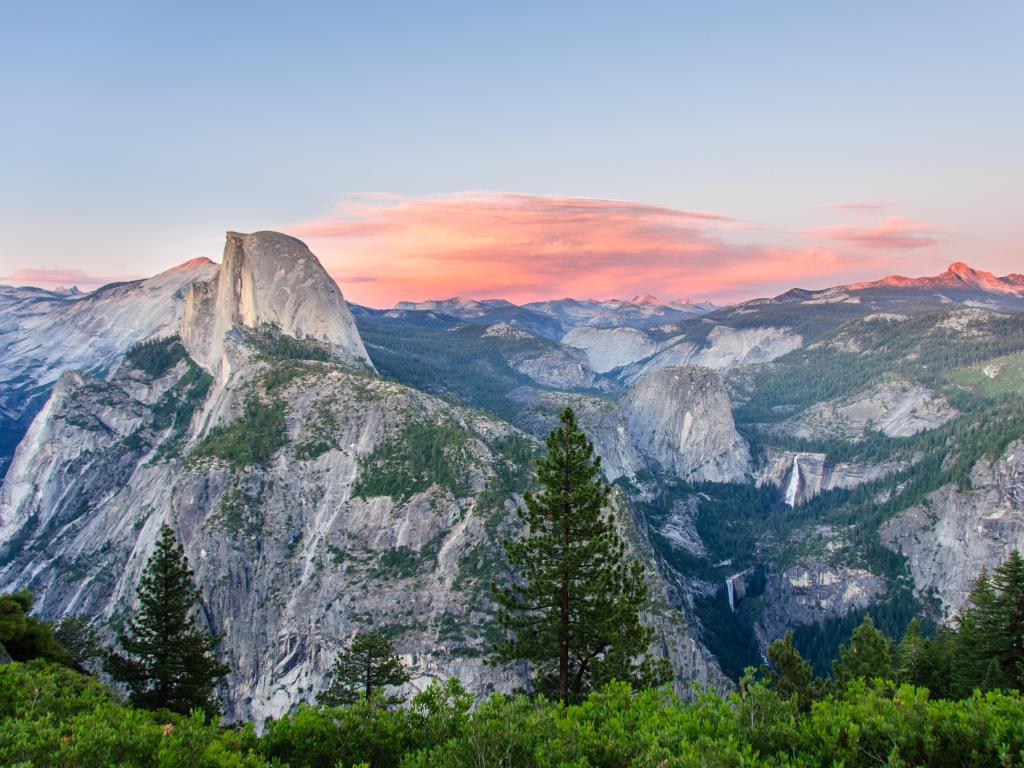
{"x": 924, "y": 661}
{"x": 1006, "y": 625}
{"x": 989, "y": 648}
{"x": 867, "y": 656}
{"x": 572, "y": 611}
{"x": 972, "y": 650}
{"x": 363, "y": 670}
{"x": 168, "y": 660}
{"x": 790, "y": 673}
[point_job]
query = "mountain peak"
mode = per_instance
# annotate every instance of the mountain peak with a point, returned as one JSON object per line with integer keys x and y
{"x": 647, "y": 299}
{"x": 960, "y": 269}
{"x": 190, "y": 265}
{"x": 267, "y": 277}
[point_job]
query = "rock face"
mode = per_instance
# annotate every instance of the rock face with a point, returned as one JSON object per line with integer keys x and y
{"x": 956, "y": 533}
{"x": 609, "y": 348}
{"x": 45, "y": 333}
{"x": 370, "y": 504}
{"x": 814, "y": 591}
{"x": 680, "y": 420}
{"x": 724, "y": 347}
{"x": 801, "y": 476}
{"x": 676, "y": 422}
{"x": 896, "y": 408}
{"x": 268, "y": 278}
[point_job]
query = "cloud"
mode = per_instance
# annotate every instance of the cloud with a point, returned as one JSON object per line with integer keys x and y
{"x": 60, "y": 278}
{"x": 892, "y": 234}
{"x": 527, "y": 247}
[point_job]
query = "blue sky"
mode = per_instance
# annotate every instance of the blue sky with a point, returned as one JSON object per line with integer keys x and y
{"x": 134, "y": 134}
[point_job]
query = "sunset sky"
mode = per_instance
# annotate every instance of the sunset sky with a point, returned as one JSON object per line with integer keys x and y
{"x": 522, "y": 150}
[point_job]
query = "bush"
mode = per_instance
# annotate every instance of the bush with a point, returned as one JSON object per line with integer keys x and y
{"x": 52, "y": 716}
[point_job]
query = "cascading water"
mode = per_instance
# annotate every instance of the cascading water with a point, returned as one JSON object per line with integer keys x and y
{"x": 794, "y": 482}
{"x": 730, "y": 589}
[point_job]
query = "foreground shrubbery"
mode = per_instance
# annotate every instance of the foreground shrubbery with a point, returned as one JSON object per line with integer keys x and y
{"x": 53, "y": 716}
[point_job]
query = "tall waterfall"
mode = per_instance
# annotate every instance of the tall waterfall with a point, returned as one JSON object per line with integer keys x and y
{"x": 794, "y": 481}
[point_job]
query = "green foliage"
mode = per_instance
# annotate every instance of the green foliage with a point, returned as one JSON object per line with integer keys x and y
{"x": 25, "y": 637}
{"x": 366, "y": 733}
{"x": 362, "y": 670}
{"x": 251, "y": 439}
{"x": 167, "y": 661}
{"x": 988, "y": 652}
{"x": 921, "y": 349}
{"x": 175, "y": 409}
{"x": 573, "y": 611}
{"x": 728, "y": 633}
{"x": 867, "y": 656}
{"x": 420, "y": 455}
{"x": 156, "y": 356}
{"x": 52, "y": 717}
{"x": 790, "y": 674}
{"x": 80, "y": 639}
{"x": 273, "y": 344}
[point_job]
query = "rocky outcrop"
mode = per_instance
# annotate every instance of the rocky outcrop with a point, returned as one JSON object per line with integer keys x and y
{"x": 268, "y": 278}
{"x": 957, "y": 532}
{"x": 675, "y": 422}
{"x": 45, "y": 333}
{"x": 800, "y": 476}
{"x": 543, "y": 361}
{"x": 610, "y": 348}
{"x": 813, "y": 591}
{"x": 680, "y": 420}
{"x": 723, "y": 348}
{"x": 895, "y": 408}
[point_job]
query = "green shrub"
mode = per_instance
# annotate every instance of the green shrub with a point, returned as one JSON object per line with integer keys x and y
{"x": 156, "y": 356}
{"x": 250, "y": 439}
{"x": 422, "y": 454}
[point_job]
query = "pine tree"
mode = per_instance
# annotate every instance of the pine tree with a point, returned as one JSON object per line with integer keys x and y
{"x": 168, "y": 661}
{"x": 989, "y": 649}
{"x": 362, "y": 670}
{"x": 790, "y": 673}
{"x": 81, "y": 640}
{"x": 573, "y": 610}
{"x": 972, "y": 650}
{"x": 1006, "y": 624}
{"x": 867, "y": 656}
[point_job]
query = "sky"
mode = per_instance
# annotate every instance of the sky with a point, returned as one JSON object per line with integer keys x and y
{"x": 523, "y": 150}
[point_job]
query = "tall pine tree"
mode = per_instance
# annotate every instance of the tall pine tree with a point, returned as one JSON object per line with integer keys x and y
{"x": 168, "y": 660}
{"x": 363, "y": 670}
{"x": 1007, "y": 623}
{"x": 989, "y": 648}
{"x": 867, "y": 655}
{"x": 790, "y": 673}
{"x": 572, "y": 610}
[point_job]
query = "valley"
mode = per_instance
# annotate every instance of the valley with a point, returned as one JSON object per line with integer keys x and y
{"x": 794, "y": 462}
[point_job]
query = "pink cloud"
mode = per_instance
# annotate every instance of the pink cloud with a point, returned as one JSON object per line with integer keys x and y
{"x": 60, "y": 278}
{"x": 892, "y": 234}
{"x": 525, "y": 248}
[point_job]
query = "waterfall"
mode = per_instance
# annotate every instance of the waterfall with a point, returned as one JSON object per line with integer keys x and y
{"x": 730, "y": 589}
{"x": 794, "y": 481}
